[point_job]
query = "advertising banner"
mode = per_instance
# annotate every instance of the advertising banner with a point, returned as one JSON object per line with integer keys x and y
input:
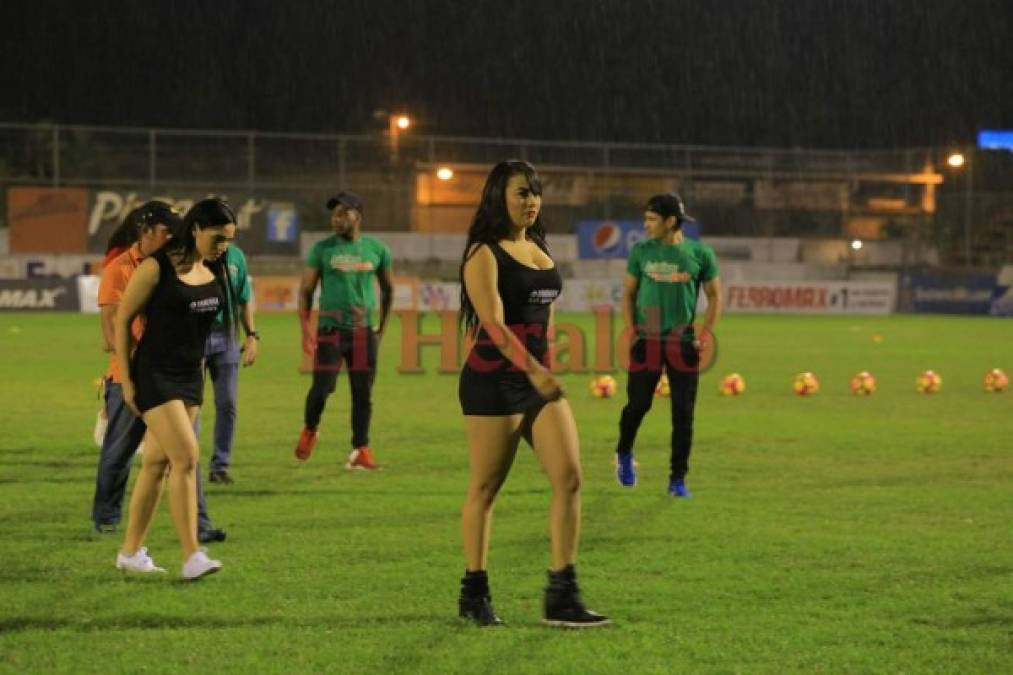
{"x": 598, "y": 239}
{"x": 948, "y": 293}
{"x": 1002, "y": 299}
{"x": 38, "y": 295}
{"x": 813, "y": 297}
{"x": 47, "y": 220}
{"x": 266, "y": 226}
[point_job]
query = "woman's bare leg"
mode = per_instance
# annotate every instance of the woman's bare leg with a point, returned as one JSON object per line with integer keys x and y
{"x": 147, "y": 491}
{"x": 555, "y": 442}
{"x": 492, "y": 445}
{"x": 172, "y": 425}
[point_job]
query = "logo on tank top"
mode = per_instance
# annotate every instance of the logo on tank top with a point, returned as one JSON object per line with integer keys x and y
{"x": 543, "y": 296}
{"x": 204, "y": 306}
{"x": 350, "y": 263}
{"x": 666, "y": 272}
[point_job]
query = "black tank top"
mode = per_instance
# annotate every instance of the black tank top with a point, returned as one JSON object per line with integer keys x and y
{"x": 526, "y": 294}
{"x": 178, "y": 318}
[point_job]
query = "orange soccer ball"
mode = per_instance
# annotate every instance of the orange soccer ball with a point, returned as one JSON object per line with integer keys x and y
{"x": 732, "y": 385}
{"x": 928, "y": 382}
{"x": 995, "y": 381}
{"x": 863, "y": 384}
{"x": 806, "y": 384}
{"x": 603, "y": 386}
{"x": 663, "y": 388}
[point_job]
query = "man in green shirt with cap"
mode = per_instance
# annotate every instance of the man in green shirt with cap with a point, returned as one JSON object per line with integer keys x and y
{"x": 664, "y": 275}
{"x": 345, "y": 265}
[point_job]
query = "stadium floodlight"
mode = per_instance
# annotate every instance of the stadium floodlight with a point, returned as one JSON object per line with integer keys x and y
{"x": 856, "y": 244}
{"x": 956, "y": 160}
{"x": 444, "y": 173}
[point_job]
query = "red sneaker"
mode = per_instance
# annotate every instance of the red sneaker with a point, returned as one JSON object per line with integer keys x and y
{"x": 361, "y": 458}
{"x": 304, "y": 448}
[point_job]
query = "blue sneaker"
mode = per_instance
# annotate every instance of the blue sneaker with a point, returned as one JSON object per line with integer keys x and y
{"x": 677, "y": 488}
{"x": 626, "y": 472}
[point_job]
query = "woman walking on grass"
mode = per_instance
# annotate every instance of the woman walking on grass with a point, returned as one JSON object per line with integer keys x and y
{"x": 179, "y": 290}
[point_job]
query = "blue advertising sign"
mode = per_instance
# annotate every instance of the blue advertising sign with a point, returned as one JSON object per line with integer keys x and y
{"x": 282, "y": 222}
{"x": 968, "y": 293}
{"x": 615, "y": 238}
{"x": 995, "y": 139}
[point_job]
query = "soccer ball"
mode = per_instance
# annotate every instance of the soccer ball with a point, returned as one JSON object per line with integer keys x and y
{"x": 663, "y": 389}
{"x": 732, "y": 385}
{"x": 863, "y": 384}
{"x": 603, "y": 386}
{"x": 995, "y": 381}
{"x": 928, "y": 382}
{"x": 806, "y": 384}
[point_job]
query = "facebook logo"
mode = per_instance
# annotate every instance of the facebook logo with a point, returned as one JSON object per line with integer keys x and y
{"x": 282, "y": 223}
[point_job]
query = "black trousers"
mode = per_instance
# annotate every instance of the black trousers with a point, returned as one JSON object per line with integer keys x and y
{"x": 355, "y": 350}
{"x": 649, "y": 357}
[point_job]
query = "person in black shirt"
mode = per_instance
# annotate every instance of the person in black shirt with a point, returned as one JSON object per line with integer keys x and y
{"x": 508, "y": 284}
{"x": 180, "y": 290}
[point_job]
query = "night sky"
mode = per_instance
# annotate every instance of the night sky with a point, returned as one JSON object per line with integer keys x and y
{"x": 810, "y": 73}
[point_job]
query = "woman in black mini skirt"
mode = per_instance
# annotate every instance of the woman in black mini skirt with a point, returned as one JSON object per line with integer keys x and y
{"x": 508, "y": 284}
{"x": 179, "y": 290}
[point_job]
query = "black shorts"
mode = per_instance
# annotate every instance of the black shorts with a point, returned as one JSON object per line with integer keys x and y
{"x": 502, "y": 392}
{"x": 153, "y": 386}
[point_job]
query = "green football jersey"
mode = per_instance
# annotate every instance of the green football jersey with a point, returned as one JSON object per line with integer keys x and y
{"x": 669, "y": 278}
{"x": 347, "y": 273}
{"x": 239, "y": 276}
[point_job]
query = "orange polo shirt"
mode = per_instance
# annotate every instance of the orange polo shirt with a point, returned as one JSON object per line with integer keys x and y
{"x": 115, "y": 276}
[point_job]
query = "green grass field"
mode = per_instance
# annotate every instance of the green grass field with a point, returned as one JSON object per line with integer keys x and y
{"x": 826, "y": 534}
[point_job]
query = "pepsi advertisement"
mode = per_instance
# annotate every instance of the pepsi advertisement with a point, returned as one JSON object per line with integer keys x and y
{"x": 615, "y": 238}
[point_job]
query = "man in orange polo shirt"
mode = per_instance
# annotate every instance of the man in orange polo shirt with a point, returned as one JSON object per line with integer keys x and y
{"x": 156, "y": 224}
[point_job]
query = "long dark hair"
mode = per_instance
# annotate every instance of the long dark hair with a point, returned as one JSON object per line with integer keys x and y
{"x": 491, "y": 223}
{"x": 182, "y": 249}
{"x": 127, "y": 234}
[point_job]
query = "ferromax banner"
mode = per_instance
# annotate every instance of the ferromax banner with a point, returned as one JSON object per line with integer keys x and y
{"x": 615, "y": 238}
{"x": 38, "y": 295}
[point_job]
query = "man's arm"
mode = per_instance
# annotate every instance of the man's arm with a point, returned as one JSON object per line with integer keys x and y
{"x": 107, "y": 314}
{"x": 385, "y": 279}
{"x": 307, "y": 287}
{"x": 250, "y": 344}
{"x": 630, "y": 286}
{"x": 712, "y": 289}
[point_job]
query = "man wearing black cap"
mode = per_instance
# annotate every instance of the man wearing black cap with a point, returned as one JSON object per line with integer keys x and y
{"x": 345, "y": 265}
{"x": 664, "y": 274}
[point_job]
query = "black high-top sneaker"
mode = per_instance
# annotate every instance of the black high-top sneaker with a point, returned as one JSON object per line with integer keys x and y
{"x": 475, "y": 603}
{"x": 563, "y": 606}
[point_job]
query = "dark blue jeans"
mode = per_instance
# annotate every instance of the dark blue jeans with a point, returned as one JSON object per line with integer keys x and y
{"x": 648, "y": 359}
{"x": 124, "y": 433}
{"x": 221, "y": 359}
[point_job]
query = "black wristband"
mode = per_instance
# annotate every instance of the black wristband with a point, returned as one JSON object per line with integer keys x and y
{"x": 253, "y": 334}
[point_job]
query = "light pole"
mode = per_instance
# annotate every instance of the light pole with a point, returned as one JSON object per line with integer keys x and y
{"x": 397, "y": 124}
{"x": 960, "y": 160}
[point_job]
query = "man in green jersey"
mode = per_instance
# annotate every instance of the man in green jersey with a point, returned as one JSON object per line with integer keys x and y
{"x": 345, "y": 265}
{"x": 664, "y": 275}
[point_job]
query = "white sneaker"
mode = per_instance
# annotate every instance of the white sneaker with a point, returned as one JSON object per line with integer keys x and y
{"x": 101, "y": 423}
{"x": 200, "y": 565}
{"x": 140, "y": 561}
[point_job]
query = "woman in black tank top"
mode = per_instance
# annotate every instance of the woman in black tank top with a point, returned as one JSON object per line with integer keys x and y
{"x": 179, "y": 290}
{"x": 508, "y": 284}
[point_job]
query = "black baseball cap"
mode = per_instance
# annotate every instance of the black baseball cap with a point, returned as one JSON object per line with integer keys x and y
{"x": 349, "y": 200}
{"x": 160, "y": 213}
{"x": 669, "y": 204}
